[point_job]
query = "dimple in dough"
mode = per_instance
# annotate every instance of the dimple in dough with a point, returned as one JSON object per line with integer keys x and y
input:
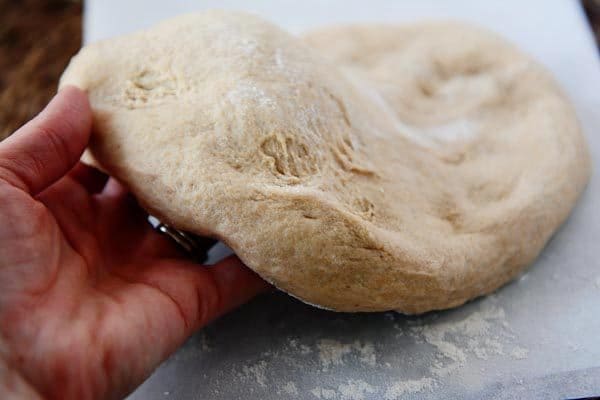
{"x": 359, "y": 168}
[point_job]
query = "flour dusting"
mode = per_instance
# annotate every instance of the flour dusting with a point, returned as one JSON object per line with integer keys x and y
{"x": 398, "y": 389}
{"x": 331, "y": 352}
{"x": 247, "y": 46}
{"x": 247, "y": 94}
{"x": 279, "y": 59}
{"x": 519, "y": 353}
{"x": 367, "y": 353}
{"x": 474, "y": 332}
{"x": 300, "y": 347}
{"x": 355, "y": 390}
{"x": 290, "y": 388}
{"x": 257, "y": 371}
{"x": 483, "y": 334}
{"x": 322, "y": 393}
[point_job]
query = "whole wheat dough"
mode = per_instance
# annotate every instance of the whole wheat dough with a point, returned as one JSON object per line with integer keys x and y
{"x": 408, "y": 168}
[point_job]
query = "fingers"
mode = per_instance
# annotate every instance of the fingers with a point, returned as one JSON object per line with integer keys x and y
{"x": 235, "y": 283}
{"x": 89, "y": 177}
{"x": 48, "y": 146}
{"x": 201, "y": 294}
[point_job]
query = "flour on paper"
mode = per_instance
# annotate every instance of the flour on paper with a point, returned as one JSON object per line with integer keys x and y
{"x": 355, "y": 390}
{"x": 300, "y": 347}
{"x": 258, "y": 372}
{"x": 289, "y": 388}
{"x": 483, "y": 334}
{"x": 323, "y": 393}
{"x": 332, "y": 352}
{"x": 398, "y": 389}
{"x": 519, "y": 353}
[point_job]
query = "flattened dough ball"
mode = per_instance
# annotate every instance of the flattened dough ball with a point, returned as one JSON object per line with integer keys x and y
{"x": 361, "y": 168}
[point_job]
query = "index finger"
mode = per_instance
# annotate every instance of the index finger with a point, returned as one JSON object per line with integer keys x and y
{"x": 47, "y": 147}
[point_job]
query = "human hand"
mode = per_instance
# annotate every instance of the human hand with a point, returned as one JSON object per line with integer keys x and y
{"x": 92, "y": 299}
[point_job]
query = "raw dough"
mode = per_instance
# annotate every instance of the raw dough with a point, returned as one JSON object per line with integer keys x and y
{"x": 407, "y": 168}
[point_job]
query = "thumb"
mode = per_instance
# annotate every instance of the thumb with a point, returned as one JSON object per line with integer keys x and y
{"x": 48, "y": 146}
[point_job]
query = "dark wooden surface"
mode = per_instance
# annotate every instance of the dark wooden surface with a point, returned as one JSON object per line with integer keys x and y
{"x": 37, "y": 39}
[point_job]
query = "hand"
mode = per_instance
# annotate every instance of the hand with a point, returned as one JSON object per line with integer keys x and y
{"x": 92, "y": 299}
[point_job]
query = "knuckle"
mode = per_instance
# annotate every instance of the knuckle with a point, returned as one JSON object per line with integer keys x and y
{"x": 56, "y": 142}
{"x": 15, "y": 169}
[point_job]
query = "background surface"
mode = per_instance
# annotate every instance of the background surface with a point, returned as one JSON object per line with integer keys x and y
{"x": 37, "y": 38}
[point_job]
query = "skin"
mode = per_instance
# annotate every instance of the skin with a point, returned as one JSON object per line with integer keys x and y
{"x": 92, "y": 299}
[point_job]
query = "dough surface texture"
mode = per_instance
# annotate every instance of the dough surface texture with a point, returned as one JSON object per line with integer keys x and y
{"x": 359, "y": 168}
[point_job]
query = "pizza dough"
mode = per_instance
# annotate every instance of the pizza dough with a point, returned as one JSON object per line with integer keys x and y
{"x": 362, "y": 168}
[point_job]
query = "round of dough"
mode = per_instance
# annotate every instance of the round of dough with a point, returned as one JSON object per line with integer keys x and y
{"x": 360, "y": 169}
